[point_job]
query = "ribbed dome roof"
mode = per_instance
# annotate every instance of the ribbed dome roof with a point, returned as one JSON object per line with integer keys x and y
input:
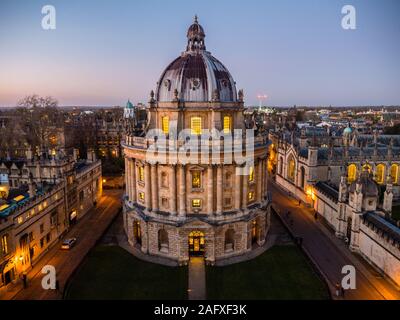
{"x": 196, "y": 75}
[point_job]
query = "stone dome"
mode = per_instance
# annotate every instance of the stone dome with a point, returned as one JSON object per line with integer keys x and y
{"x": 369, "y": 186}
{"x": 196, "y": 76}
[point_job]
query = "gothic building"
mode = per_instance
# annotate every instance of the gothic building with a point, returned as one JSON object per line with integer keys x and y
{"x": 175, "y": 208}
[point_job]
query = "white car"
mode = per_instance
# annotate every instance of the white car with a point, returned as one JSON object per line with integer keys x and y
{"x": 68, "y": 243}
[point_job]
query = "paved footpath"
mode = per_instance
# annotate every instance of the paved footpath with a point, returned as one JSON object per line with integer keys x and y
{"x": 88, "y": 231}
{"x": 197, "y": 279}
{"x": 329, "y": 253}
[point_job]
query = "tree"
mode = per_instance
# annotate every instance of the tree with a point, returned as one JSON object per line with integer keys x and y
{"x": 41, "y": 120}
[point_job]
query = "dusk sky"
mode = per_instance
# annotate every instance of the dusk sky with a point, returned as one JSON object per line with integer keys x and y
{"x": 296, "y": 52}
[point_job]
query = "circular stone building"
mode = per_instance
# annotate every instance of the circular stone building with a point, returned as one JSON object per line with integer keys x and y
{"x": 214, "y": 205}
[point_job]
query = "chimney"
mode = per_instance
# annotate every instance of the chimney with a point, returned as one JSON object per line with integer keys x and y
{"x": 91, "y": 155}
{"x": 28, "y": 154}
{"x": 76, "y": 154}
{"x": 32, "y": 189}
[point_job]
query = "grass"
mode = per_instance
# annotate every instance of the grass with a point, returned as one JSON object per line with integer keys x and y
{"x": 396, "y": 213}
{"x": 110, "y": 272}
{"x": 281, "y": 273}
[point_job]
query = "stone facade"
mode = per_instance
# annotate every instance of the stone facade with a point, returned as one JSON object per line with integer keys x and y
{"x": 176, "y": 204}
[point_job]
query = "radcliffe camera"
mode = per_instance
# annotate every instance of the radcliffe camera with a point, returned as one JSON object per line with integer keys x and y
{"x": 199, "y": 158}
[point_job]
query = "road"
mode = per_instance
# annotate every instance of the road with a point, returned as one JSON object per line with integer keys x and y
{"x": 329, "y": 253}
{"x": 88, "y": 231}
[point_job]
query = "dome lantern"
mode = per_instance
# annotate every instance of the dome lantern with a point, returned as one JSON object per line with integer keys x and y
{"x": 195, "y": 36}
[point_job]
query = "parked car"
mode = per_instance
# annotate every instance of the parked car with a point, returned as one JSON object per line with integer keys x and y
{"x": 68, "y": 243}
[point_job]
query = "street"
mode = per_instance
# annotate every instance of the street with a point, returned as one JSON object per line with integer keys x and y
{"x": 329, "y": 253}
{"x": 88, "y": 230}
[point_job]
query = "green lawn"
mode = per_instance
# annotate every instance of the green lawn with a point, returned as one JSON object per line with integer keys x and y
{"x": 396, "y": 213}
{"x": 282, "y": 272}
{"x": 110, "y": 272}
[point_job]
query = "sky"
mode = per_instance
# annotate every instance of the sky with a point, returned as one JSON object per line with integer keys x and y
{"x": 103, "y": 53}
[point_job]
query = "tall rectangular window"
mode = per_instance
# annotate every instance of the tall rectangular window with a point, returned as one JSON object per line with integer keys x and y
{"x": 141, "y": 196}
{"x": 227, "y": 124}
{"x": 141, "y": 174}
{"x": 195, "y": 125}
{"x": 251, "y": 174}
{"x": 4, "y": 244}
{"x": 250, "y": 196}
{"x": 165, "y": 124}
{"x": 196, "y": 179}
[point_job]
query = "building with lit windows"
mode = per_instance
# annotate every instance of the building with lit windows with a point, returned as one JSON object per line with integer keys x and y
{"x": 351, "y": 186}
{"x": 177, "y": 209}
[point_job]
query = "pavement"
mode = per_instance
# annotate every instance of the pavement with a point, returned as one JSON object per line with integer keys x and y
{"x": 329, "y": 253}
{"x": 88, "y": 231}
{"x": 197, "y": 279}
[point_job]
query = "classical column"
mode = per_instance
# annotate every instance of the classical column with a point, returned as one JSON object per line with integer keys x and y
{"x": 154, "y": 187}
{"x": 265, "y": 177}
{"x": 127, "y": 177}
{"x": 210, "y": 190}
{"x": 237, "y": 188}
{"x": 173, "y": 189}
{"x": 182, "y": 190}
{"x": 147, "y": 196}
{"x": 132, "y": 178}
{"x": 259, "y": 180}
{"x": 244, "y": 197}
{"x": 219, "y": 189}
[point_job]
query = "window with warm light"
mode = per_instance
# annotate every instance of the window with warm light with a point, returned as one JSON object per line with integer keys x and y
{"x": 165, "y": 124}
{"x": 141, "y": 174}
{"x": 251, "y": 174}
{"x": 227, "y": 124}
{"x": 380, "y": 173}
{"x": 394, "y": 172}
{"x": 4, "y": 244}
{"x": 141, "y": 196}
{"x": 250, "y": 196}
{"x": 195, "y": 125}
{"x": 196, "y": 179}
{"x": 196, "y": 203}
{"x": 291, "y": 168}
{"x": 351, "y": 173}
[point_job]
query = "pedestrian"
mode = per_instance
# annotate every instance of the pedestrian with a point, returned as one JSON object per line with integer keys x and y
{"x": 316, "y": 215}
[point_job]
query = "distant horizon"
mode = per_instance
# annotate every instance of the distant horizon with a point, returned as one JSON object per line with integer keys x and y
{"x": 104, "y": 53}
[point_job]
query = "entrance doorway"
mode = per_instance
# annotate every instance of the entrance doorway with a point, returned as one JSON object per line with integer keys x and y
{"x": 254, "y": 231}
{"x": 196, "y": 243}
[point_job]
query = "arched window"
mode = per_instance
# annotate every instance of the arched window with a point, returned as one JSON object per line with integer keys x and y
{"x": 380, "y": 173}
{"x": 141, "y": 174}
{"x": 163, "y": 242}
{"x": 251, "y": 174}
{"x": 196, "y": 179}
{"x": 280, "y": 165}
{"x": 302, "y": 177}
{"x": 394, "y": 173}
{"x": 351, "y": 173}
{"x": 291, "y": 168}
{"x": 229, "y": 240}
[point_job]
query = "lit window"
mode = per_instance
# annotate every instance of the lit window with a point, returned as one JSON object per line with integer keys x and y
{"x": 196, "y": 179}
{"x": 165, "y": 124}
{"x": 250, "y": 196}
{"x": 4, "y": 244}
{"x": 141, "y": 174}
{"x": 380, "y": 173}
{"x": 195, "y": 125}
{"x": 291, "y": 168}
{"x": 196, "y": 203}
{"x": 227, "y": 124}
{"x": 351, "y": 173}
{"x": 20, "y": 220}
{"x": 251, "y": 174}
{"x": 394, "y": 171}
{"x": 141, "y": 196}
